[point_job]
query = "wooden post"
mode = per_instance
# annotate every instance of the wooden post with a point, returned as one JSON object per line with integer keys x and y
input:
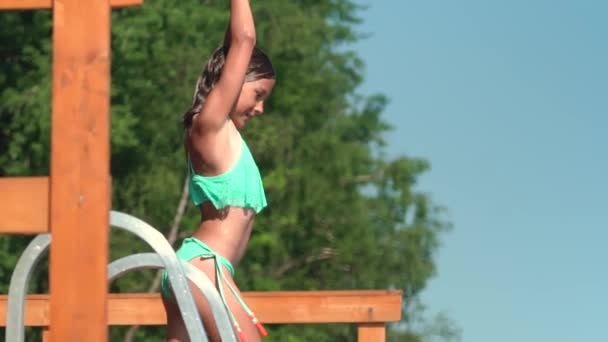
{"x": 372, "y": 332}
{"x": 80, "y": 168}
{"x": 46, "y": 334}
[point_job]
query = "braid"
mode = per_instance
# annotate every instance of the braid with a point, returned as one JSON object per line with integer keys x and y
{"x": 205, "y": 83}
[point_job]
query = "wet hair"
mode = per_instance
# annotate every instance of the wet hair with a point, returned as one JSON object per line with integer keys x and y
{"x": 259, "y": 68}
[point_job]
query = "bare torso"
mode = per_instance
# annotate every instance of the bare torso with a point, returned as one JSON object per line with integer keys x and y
{"x": 227, "y": 230}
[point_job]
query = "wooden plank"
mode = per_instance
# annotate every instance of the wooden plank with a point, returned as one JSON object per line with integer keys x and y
{"x": 25, "y": 205}
{"x": 327, "y": 306}
{"x": 36, "y": 310}
{"x": 269, "y": 307}
{"x": 79, "y": 186}
{"x": 47, "y": 4}
{"x": 371, "y": 332}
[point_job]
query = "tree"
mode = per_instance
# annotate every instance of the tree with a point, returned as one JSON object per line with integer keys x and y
{"x": 341, "y": 215}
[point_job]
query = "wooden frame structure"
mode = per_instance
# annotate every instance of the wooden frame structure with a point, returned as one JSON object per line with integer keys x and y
{"x": 370, "y": 310}
{"x": 79, "y": 187}
{"x": 73, "y": 204}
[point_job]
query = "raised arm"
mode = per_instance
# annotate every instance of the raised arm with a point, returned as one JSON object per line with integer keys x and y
{"x": 240, "y": 40}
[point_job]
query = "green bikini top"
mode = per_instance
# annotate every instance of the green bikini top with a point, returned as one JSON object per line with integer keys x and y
{"x": 240, "y": 186}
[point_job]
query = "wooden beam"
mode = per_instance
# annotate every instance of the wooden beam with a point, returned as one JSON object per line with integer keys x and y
{"x": 327, "y": 306}
{"x": 48, "y": 4}
{"x": 371, "y": 332}
{"x": 370, "y": 307}
{"x": 80, "y": 168}
{"x": 25, "y": 205}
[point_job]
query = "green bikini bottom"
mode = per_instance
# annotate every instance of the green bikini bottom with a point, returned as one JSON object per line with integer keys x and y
{"x": 192, "y": 248}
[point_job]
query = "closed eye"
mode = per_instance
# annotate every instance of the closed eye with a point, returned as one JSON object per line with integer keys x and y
{"x": 260, "y": 94}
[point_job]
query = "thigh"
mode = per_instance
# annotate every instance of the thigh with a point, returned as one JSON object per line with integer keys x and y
{"x": 176, "y": 331}
{"x": 242, "y": 317}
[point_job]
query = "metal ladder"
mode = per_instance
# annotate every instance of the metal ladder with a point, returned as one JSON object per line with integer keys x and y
{"x": 179, "y": 273}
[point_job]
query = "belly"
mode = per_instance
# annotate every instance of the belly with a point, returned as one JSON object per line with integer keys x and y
{"x": 226, "y": 231}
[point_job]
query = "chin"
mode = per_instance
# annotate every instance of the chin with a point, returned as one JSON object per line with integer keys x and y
{"x": 241, "y": 125}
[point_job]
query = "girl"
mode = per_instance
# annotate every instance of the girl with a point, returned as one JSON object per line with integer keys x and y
{"x": 225, "y": 183}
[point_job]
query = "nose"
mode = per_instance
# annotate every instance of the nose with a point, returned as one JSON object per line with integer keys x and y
{"x": 259, "y": 107}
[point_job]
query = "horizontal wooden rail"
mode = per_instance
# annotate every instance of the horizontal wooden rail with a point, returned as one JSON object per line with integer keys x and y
{"x": 25, "y": 205}
{"x": 369, "y": 307}
{"x": 42, "y": 4}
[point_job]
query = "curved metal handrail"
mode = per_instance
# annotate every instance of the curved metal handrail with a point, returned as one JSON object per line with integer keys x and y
{"x": 178, "y": 275}
{"x": 15, "y": 328}
{"x": 151, "y": 260}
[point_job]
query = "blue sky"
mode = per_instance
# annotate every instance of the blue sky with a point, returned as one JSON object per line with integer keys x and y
{"x": 508, "y": 100}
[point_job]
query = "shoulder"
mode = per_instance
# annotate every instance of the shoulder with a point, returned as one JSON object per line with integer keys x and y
{"x": 211, "y": 151}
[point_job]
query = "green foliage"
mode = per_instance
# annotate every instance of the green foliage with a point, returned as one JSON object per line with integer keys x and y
{"x": 340, "y": 216}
